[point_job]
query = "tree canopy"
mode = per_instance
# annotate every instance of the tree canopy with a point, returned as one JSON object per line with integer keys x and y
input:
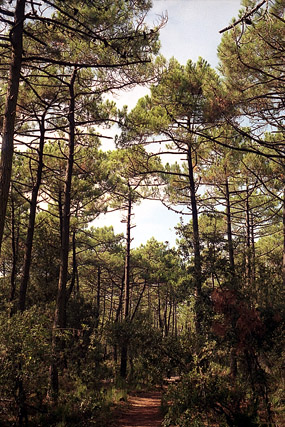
{"x": 85, "y": 315}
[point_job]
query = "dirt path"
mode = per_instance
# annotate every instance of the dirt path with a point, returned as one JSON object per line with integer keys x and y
{"x": 142, "y": 410}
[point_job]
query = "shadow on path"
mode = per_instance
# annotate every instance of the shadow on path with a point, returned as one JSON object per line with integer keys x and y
{"x": 141, "y": 410}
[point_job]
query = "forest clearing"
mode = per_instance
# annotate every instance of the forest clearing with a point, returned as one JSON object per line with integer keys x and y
{"x": 95, "y": 330}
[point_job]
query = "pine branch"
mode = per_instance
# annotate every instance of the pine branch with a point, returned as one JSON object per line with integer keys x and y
{"x": 244, "y": 17}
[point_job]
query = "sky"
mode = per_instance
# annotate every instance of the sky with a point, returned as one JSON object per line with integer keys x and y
{"x": 192, "y": 30}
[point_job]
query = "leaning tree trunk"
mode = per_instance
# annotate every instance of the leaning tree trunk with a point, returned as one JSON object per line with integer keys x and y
{"x": 32, "y": 219}
{"x": 16, "y": 37}
{"x": 60, "y": 311}
{"x": 196, "y": 243}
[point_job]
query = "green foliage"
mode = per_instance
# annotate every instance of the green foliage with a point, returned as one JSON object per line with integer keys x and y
{"x": 152, "y": 356}
{"x": 209, "y": 398}
{"x": 25, "y": 354}
{"x": 231, "y": 369}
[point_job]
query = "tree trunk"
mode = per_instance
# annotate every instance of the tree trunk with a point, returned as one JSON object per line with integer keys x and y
{"x": 229, "y": 231}
{"x": 165, "y": 316}
{"x": 124, "y": 350}
{"x": 74, "y": 277}
{"x": 139, "y": 301}
{"x": 253, "y": 255}
{"x": 283, "y": 262}
{"x": 160, "y": 321}
{"x": 15, "y": 242}
{"x": 127, "y": 261}
{"x": 233, "y": 356}
{"x": 21, "y": 399}
{"x": 16, "y": 37}
{"x": 169, "y": 314}
{"x": 60, "y": 311}
{"x": 32, "y": 218}
{"x": 111, "y": 311}
{"x": 248, "y": 238}
{"x": 196, "y": 243}
{"x": 97, "y": 307}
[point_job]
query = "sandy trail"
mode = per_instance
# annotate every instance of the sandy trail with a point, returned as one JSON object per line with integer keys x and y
{"x": 142, "y": 410}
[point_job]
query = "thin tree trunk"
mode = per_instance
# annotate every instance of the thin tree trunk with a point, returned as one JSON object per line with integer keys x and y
{"x": 165, "y": 316}
{"x": 169, "y": 315}
{"x": 159, "y": 308}
{"x": 104, "y": 309}
{"x": 97, "y": 307}
{"x": 283, "y": 262}
{"x": 15, "y": 239}
{"x": 16, "y": 37}
{"x": 74, "y": 276}
{"x": 32, "y": 219}
{"x": 139, "y": 301}
{"x": 175, "y": 321}
{"x": 119, "y": 308}
{"x": 60, "y": 311}
{"x": 247, "y": 243}
{"x": 21, "y": 399}
{"x": 124, "y": 349}
{"x": 111, "y": 311}
{"x": 196, "y": 243}
{"x": 127, "y": 261}
{"x": 233, "y": 356}
{"x": 253, "y": 260}
{"x": 229, "y": 230}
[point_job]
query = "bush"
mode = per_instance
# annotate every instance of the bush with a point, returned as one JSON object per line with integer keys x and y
{"x": 25, "y": 356}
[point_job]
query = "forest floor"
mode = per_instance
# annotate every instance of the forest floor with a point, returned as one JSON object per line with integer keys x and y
{"x": 143, "y": 409}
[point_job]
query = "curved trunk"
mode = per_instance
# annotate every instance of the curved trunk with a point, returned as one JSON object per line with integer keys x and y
{"x": 16, "y": 37}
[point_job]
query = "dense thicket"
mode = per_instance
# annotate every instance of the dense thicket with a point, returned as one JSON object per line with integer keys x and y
{"x": 84, "y": 315}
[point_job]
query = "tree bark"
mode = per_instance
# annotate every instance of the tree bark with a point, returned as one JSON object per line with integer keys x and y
{"x": 74, "y": 277}
{"x": 97, "y": 307}
{"x": 233, "y": 355}
{"x": 60, "y": 311}
{"x": 32, "y": 218}
{"x": 127, "y": 260}
{"x": 196, "y": 242}
{"x": 283, "y": 262}
{"x": 165, "y": 317}
{"x": 16, "y": 37}
{"x": 253, "y": 255}
{"x": 248, "y": 239}
{"x": 15, "y": 243}
{"x": 229, "y": 230}
{"x": 160, "y": 320}
{"x": 124, "y": 350}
